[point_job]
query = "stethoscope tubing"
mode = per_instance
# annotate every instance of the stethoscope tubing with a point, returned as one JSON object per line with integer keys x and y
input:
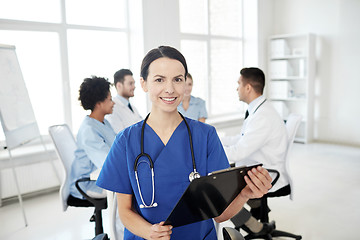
{"x": 143, "y": 154}
{"x": 191, "y": 143}
{"x": 192, "y": 175}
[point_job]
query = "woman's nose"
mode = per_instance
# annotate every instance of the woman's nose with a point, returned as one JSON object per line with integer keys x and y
{"x": 169, "y": 87}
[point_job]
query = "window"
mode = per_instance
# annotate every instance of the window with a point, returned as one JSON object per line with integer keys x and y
{"x": 61, "y": 46}
{"x": 195, "y": 53}
{"x": 105, "y": 13}
{"x": 193, "y": 12}
{"x": 30, "y": 10}
{"x": 93, "y": 53}
{"x": 226, "y": 61}
{"x": 211, "y": 41}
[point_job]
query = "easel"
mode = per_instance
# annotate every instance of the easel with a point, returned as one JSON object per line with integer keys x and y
{"x": 16, "y": 114}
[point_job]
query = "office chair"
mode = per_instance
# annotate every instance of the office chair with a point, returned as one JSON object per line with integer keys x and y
{"x": 65, "y": 145}
{"x": 292, "y": 125}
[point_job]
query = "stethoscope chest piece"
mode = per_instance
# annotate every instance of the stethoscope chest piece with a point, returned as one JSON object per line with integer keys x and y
{"x": 193, "y": 175}
{"x": 150, "y": 206}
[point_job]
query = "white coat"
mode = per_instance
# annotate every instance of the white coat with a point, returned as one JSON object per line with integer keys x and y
{"x": 122, "y": 117}
{"x": 263, "y": 139}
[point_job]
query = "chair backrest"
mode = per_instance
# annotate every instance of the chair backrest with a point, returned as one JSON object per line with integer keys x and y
{"x": 292, "y": 124}
{"x": 65, "y": 146}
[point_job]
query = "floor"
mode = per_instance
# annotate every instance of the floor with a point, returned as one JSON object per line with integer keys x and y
{"x": 327, "y": 191}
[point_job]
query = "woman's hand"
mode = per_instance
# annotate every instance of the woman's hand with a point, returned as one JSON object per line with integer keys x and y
{"x": 258, "y": 184}
{"x": 159, "y": 231}
{"x": 136, "y": 223}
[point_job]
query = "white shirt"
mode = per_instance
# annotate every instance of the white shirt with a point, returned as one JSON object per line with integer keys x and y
{"x": 263, "y": 139}
{"x": 122, "y": 117}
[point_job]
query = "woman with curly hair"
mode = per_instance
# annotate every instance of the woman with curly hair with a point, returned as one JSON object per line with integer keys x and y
{"x": 95, "y": 135}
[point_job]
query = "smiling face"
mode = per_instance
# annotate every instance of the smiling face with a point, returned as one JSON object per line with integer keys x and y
{"x": 165, "y": 84}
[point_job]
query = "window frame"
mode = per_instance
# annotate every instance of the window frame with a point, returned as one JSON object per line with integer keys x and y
{"x": 208, "y": 37}
{"x": 61, "y": 29}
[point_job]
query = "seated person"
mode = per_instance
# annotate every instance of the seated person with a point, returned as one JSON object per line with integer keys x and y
{"x": 263, "y": 139}
{"x": 192, "y": 107}
{"x": 94, "y": 137}
{"x": 124, "y": 114}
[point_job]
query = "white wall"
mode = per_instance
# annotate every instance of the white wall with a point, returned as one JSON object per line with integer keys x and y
{"x": 265, "y": 29}
{"x": 160, "y": 28}
{"x": 161, "y": 23}
{"x": 337, "y": 84}
{"x": 136, "y": 40}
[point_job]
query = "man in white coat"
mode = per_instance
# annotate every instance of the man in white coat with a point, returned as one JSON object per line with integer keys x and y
{"x": 124, "y": 114}
{"x": 263, "y": 139}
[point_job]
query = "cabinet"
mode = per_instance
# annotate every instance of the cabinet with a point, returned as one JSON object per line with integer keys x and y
{"x": 290, "y": 81}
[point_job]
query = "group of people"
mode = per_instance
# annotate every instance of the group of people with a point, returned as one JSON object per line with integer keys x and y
{"x": 147, "y": 162}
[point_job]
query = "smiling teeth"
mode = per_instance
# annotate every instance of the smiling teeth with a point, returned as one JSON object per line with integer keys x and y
{"x": 168, "y": 99}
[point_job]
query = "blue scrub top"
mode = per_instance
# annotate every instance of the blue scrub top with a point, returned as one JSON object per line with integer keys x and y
{"x": 172, "y": 166}
{"x": 196, "y": 110}
{"x": 94, "y": 140}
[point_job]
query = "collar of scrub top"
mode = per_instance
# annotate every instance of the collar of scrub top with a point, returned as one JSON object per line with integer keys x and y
{"x": 191, "y": 102}
{"x": 255, "y": 104}
{"x": 192, "y": 99}
{"x": 193, "y": 175}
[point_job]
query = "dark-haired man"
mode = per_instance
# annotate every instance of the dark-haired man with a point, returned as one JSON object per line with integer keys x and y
{"x": 263, "y": 139}
{"x": 124, "y": 113}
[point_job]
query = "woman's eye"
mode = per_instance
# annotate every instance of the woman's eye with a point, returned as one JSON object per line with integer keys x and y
{"x": 158, "y": 80}
{"x": 178, "y": 79}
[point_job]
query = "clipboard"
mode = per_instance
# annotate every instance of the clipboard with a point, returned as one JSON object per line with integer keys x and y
{"x": 208, "y": 196}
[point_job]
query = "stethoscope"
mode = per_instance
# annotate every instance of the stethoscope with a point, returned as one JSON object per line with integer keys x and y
{"x": 242, "y": 134}
{"x": 257, "y": 107}
{"x": 193, "y": 175}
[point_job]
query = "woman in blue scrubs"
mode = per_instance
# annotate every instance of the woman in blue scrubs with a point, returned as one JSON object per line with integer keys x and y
{"x": 95, "y": 135}
{"x": 192, "y": 107}
{"x": 166, "y": 141}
